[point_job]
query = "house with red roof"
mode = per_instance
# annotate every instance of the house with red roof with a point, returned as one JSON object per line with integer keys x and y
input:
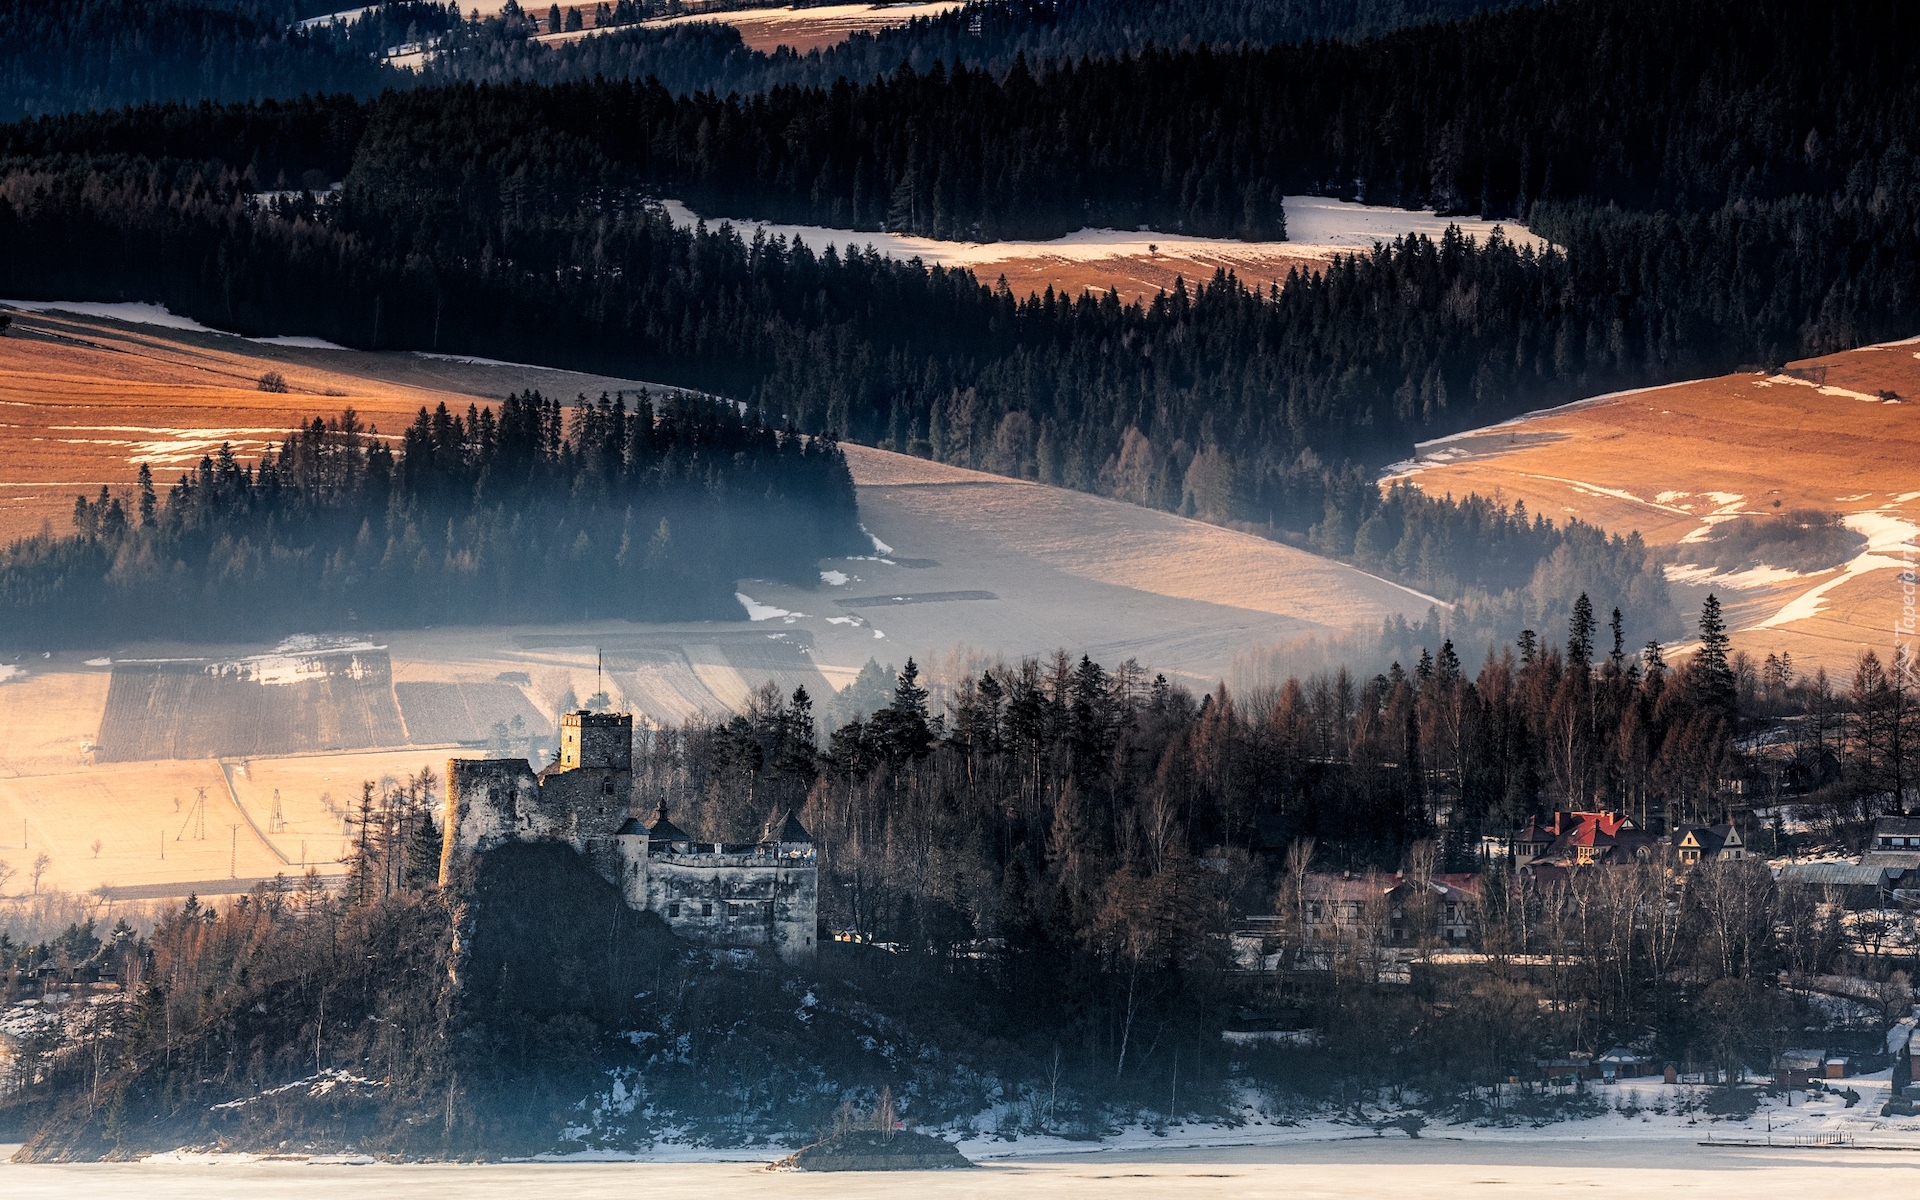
{"x": 1581, "y": 839}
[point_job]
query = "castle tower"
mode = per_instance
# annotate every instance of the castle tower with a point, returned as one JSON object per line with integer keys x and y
{"x": 762, "y": 894}
{"x": 596, "y": 741}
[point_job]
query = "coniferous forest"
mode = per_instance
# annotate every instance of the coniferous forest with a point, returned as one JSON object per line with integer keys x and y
{"x": 93, "y": 54}
{"x": 527, "y": 511}
{"x": 1724, "y": 186}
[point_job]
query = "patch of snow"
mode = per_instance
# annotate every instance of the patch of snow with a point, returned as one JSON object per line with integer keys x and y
{"x": 474, "y": 360}
{"x": 321, "y": 1084}
{"x": 159, "y": 316}
{"x": 1826, "y": 390}
{"x": 880, "y": 548}
{"x": 99, "y": 662}
{"x": 9, "y": 671}
{"x": 1594, "y": 489}
{"x": 757, "y": 611}
{"x": 843, "y": 620}
{"x": 834, "y": 578}
{"x": 1746, "y": 580}
{"x": 1316, "y": 225}
{"x": 343, "y": 17}
{"x": 878, "y": 634}
{"x": 298, "y": 342}
{"x": 133, "y": 313}
{"x": 298, "y": 659}
{"x": 1323, "y": 221}
{"x": 172, "y": 447}
{"x": 1670, "y": 497}
{"x": 1884, "y": 533}
{"x": 1695, "y": 537}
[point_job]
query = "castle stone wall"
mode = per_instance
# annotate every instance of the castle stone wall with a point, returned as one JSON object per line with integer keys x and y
{"x": 763, "y": 896}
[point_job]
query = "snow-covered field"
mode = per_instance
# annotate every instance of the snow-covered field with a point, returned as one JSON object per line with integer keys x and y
{"x": 1315, "y": 226}
{"x": 157, "y": 315}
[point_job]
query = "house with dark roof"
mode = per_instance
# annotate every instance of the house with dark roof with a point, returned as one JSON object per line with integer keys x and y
{"x": 1385, "y": 908}
{"x": 1694, "y": 844}
{"x": 1581, "y": 839}
{"x": 1896, "y": 833}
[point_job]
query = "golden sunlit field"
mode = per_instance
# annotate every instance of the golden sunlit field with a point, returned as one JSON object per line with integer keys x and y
{"x": 1839, "y": 434}
{"x": 965, "y": 565}
{"x": 815, "y": 28}
{"x": 86, "y": 400}
{"x": 1140, "y": 277}
{"x": 1137, "y": 264}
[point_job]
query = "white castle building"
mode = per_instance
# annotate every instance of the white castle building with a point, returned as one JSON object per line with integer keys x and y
{"x": 761, "y": 895}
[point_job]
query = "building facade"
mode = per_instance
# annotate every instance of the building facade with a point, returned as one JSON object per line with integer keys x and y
{"x": 764, "y": 895}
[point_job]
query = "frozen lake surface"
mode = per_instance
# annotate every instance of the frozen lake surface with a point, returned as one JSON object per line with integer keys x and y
{"x": 1360, "y": 1167}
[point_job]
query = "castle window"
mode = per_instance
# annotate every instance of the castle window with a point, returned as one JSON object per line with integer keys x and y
{"x": 673, "y": 910}
{"x": 706, "y": 909}
{"x": 606, "y": 787}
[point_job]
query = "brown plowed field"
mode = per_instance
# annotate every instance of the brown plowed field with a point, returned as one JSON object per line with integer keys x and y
{"x": 1673, "y": 461}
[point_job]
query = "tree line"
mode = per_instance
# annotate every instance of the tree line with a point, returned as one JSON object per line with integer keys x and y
{"x": 1702, "y": 107}
{"x": 515, "y": 219}
{"x": 1054, "y": 855}
{"x": 1103, "y": 832}
{"x": 1215, "y": 402}
{"x": 96, "y": 54}
{"x": 524, "y": 511}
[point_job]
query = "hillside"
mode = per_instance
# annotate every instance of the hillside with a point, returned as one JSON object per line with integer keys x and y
{"x": 1687, "y": 463}
{"x": 559, "y": 1020}
{"x": 116, "y": 741}
{"x": 93, "y": 390}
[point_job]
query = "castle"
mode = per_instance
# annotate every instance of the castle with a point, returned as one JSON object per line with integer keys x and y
{"x": 760, "y": 895}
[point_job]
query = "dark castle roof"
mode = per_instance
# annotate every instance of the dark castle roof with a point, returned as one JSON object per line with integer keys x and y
{"x": 630, "y": 826}
{"x": 663, "y": 830}
{"x": 788, "y": 830}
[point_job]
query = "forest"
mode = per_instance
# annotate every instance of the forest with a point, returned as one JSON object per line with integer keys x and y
{"x": 90, "y": 54}
{"x": 1038, "y": 865}
{"x": 524, "y": 511}
{"x": 93, "y": 54}
{"x": 1690, "y": 237}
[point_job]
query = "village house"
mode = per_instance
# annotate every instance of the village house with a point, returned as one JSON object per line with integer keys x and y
{"x": 1580, "y": 839}
{"x": 1378, "y": 908}
{"x": 1896, "y": 834}
{"x": 1695, "y": 844}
